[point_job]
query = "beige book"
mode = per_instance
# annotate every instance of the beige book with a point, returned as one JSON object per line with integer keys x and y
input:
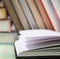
{"x": 35, "y": 13}
{"x": 44, "y": 15}
{"x": 3, "y": 13}
{"x": 20, "y": 14}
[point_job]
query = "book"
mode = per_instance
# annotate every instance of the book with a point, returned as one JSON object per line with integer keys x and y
{"x": 28, "y": 14}
{"x": 8, "y": 37}
{"x": 1, "y": 4}
{"x": 5, "y": 26}
{"x": 56, "y": 7}
{"x": 20, "y": 14}
{"x": 3, "y": 14}
{"x": 43, "y": 14}
{"x": 28, "y": 40}
{"x": 13, "y": 15}
{"x": 51, "y": 13}
{"x": 7, "y": 51}
{"x": 35, "y": 13}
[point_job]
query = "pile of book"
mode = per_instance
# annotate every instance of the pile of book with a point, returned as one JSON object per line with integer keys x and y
{"x": 35, "y": 14}
{"x": 7, "y": 34}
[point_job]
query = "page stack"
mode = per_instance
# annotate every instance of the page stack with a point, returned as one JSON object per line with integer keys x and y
{"x": 36, "y": 39}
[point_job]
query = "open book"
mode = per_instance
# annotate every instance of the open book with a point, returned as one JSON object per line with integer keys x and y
{"x": 36, "y": 39}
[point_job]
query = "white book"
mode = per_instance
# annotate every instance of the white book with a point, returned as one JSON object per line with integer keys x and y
{"x": 28, "y": 14}
{"x": 56, "y": 4}
{"x": 52, "y": 14}
{"x": 22, "y": 46}
{"x": 5, "y": 26}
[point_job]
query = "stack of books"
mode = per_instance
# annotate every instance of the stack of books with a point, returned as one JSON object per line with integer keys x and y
{"x": 7, "y": 35}
{"x": 35, "y": 14}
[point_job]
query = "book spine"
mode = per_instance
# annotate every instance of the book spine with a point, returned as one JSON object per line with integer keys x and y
{"x": 55, "y": 9}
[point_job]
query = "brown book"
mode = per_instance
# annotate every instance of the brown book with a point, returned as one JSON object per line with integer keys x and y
{"x": 43, "y": 14}
{"x": 3, "y": 14}
{"x": 13, "y": 15}
{"x": 36, "y": 14}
